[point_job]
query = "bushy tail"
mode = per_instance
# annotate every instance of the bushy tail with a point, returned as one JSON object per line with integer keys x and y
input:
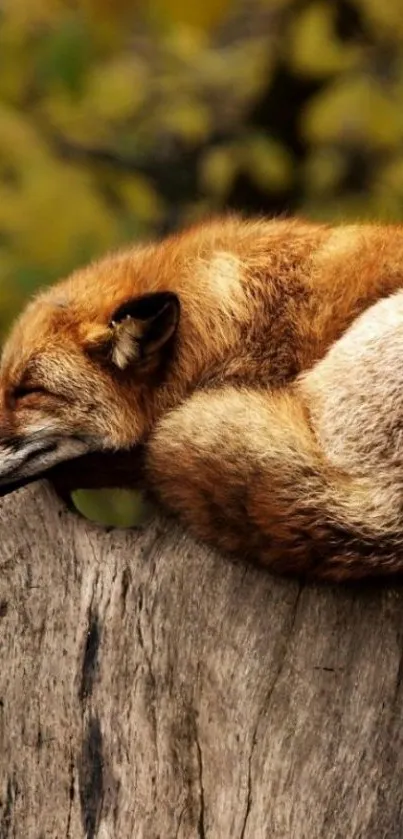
{"x": 246, "y": 472}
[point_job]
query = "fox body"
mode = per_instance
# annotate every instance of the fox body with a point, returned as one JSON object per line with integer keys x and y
{"x": 258, "y": 366}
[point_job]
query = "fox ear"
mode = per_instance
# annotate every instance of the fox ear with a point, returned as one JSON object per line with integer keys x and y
{"x": 141, "y": 326}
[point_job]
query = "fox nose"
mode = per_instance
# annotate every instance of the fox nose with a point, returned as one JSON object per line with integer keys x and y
{"x": 26, "y": 458}
{"x": 17, "y": 453}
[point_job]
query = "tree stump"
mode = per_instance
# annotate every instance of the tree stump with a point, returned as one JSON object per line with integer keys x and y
{"x": 151, "y": 689}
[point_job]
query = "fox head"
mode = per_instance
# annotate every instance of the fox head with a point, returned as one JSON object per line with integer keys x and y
{"x": 95, "y": 359}
{"x": 79, "y": 366}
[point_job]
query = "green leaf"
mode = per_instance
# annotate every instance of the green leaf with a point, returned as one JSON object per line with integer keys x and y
{"x": 64, "y": 55}
{"x": 112, "y": 507}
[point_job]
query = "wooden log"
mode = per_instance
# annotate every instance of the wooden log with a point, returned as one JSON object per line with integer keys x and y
{"x": 151, "y": 689}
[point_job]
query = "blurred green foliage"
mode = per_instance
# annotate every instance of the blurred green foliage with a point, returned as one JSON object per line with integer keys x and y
{"x": 123, "y": 119}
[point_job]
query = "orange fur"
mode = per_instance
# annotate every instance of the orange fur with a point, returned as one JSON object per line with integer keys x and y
{"x": 261, "y": 302}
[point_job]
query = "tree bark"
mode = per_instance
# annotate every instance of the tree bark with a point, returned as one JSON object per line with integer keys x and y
{"x": 151, "y": 689}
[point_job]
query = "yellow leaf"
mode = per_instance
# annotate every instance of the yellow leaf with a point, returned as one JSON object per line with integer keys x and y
{"x": 19, "y": 140}
{"x": 115, "y": 89}
{"x": 384, "y": 17}
{"x": 186, "y": 43}
{"x": 242, "y": 67}
{"x": 28, "y": 15}
{"x": 323, "y": 170}
{"x": 141, "y": 198}
{"x": 218, "y": 168}
{"x": 314, "y": 48}
{"x": 47, "y": 237}
{"x": 353, "y": 110}
{"x": 202, "y": 15}
{"x": 15, "y": 61}
{"x": 390, "y": 177}
{"x": 187, "y": 118}
{"x": 267, "y": 162}
{"x": 73, "y": 120}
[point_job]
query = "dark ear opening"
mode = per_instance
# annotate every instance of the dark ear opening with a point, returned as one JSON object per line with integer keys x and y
{"x": 141, "y": 326}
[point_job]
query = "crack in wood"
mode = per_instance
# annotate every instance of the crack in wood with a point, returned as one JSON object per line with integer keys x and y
{"x": 151, "y": 683}
{"x": 248, "y": 804}
{"x": 91, "y": 777}
{"x": 12, "y": 793}
{"x": 201, "y": 822}
{"x": 71, "y": 794}
{"x": 89, "y": 668}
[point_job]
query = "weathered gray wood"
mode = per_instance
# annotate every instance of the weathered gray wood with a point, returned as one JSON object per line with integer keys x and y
{"x": 151, "y": 689}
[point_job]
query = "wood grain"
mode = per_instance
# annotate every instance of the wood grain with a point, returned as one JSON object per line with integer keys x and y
{"x": 151, "y": 690}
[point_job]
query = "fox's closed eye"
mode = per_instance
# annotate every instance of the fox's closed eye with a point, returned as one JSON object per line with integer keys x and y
{"x": 22, "y": 391}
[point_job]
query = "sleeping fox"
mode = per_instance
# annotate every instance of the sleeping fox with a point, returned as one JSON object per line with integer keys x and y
{"x": 254, "y": 365}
